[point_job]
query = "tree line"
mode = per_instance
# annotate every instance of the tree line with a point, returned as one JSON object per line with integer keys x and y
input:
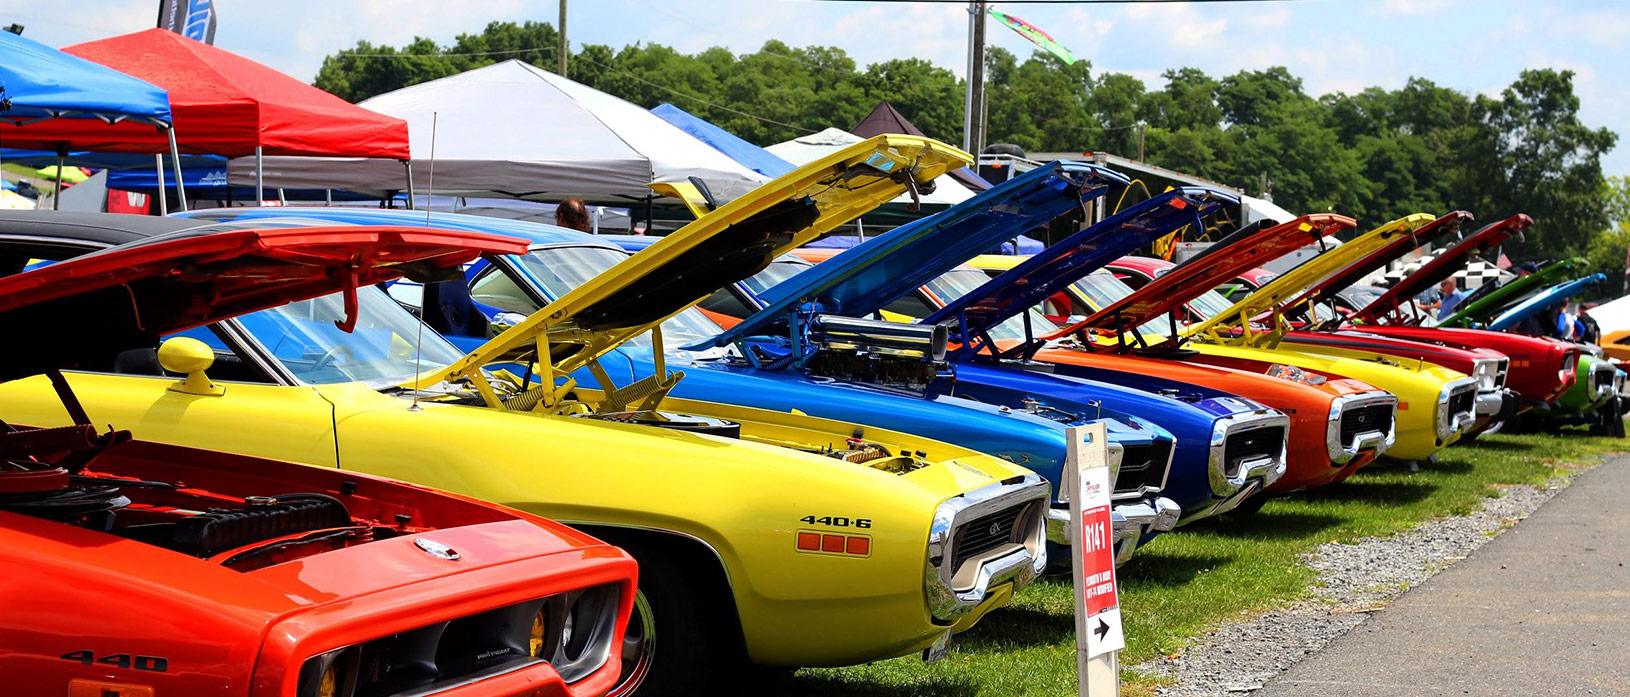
{"x": 1374, "y": 155}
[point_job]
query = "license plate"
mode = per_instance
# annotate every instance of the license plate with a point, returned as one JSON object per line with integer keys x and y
{"x": 940, "y": 647}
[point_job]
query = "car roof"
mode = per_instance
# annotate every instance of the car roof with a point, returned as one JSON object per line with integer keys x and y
{"x": 101, "y": 228}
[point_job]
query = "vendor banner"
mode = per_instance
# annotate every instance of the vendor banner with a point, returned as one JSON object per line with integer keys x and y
{"x": 194, "y": 19}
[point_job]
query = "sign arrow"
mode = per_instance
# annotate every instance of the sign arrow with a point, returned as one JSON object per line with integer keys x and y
{"x": 1102, "y": 630}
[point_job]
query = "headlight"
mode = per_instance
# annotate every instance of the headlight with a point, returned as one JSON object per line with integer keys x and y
{"x": 1294, "y": 374}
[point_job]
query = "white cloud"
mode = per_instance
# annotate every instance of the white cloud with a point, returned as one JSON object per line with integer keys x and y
{"x": 1416, "y": 7}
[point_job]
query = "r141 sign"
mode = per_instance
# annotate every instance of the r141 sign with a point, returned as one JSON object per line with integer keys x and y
{"x": 1097, "y": 602}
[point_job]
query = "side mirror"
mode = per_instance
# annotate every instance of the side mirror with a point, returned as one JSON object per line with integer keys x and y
{"x": 191, "y": 357}
{"x": 502, "y": 321}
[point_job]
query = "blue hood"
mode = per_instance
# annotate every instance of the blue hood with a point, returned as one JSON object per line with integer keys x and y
{"x": 1541, "y": 300}
{"x": 1026, "y": 285}
{"x": 884, "y": 268}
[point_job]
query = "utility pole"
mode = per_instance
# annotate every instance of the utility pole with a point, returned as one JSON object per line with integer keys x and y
{"x": 1140, "y": 141}
{"x": 563, "y": 49}
{"x": 973, "y": 122}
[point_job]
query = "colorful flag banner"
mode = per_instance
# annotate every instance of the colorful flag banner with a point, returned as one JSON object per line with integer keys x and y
{"x": 194, "y": 19}
{"x": 1036, "y": 36}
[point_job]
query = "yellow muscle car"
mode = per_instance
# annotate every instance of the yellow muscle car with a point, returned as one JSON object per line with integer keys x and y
{"x": 762, "y": 536}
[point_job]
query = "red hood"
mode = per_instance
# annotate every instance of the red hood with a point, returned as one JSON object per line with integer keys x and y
{"x": 1443, "y": 266}
{"x": 1229, "y": 257}
{"x": 129, "y": 296}
{"x": 1393, "y": 251}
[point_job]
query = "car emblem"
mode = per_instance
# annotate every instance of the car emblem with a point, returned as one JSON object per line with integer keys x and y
{"x": 436, "y": 549}
{"x": 995, "y": 528}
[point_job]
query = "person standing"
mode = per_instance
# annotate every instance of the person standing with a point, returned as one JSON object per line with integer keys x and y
{"x": 1527, "y": 269}
{"x": 571, "y": 213}
{"x": 1449, "y": 296}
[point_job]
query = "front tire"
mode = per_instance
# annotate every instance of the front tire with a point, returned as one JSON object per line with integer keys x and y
{"x": 670, "y": 648}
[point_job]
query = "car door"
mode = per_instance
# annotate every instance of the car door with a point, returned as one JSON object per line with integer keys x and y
{"x": 249, "y": 417}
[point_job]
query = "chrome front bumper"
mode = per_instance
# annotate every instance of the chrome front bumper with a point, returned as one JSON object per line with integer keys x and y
{"x": 954, "y": 592}
{"x": 1343, "y": 453}
{"x": 1131, "y": 522}
{"x": 1452, "y": 424}
{"x": 1227, "y": 479}
{"x": 1489, "y": 403}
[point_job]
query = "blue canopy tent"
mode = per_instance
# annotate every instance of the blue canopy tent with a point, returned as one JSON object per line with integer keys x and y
{"x": 39, "y": 83}
{"x": 750, "y": 156}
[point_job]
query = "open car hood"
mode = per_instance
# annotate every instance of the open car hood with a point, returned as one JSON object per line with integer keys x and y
{"x": 1271, "y": 297}
{"x": 1484, "y": 306}
{"x": 722, "y": 247}
{"x": 1537, "y": 302}
{"x": 868, "y": 276}
{"x": 1327, "y": 289}
{"x": 1055, "y": 268}
{"x": 1444, "y": 265}
{"x": 1229, "y": 257}
{"x": 128, "y": 296}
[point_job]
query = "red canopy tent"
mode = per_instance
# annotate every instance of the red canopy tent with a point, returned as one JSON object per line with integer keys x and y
{"x": 223, "y": 104}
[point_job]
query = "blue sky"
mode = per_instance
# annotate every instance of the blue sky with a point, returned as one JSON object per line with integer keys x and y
{"x": 1333, "y": 45}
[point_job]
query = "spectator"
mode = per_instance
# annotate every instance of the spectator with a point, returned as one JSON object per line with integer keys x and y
{"x": 1449, "y": 296}
{"x": 571, "y": 213}
{"x": 1527, "y": 269}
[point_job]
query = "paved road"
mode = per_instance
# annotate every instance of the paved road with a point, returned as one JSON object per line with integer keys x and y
{"x": 1544, "y": 609}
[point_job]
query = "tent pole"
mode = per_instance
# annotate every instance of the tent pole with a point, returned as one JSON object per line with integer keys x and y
{"x": 175, "y": 157}
{"x": 56, "y": 196}
{"x": 260, "y": 178}
{"x": 328, "y": 195}
{"x": 163, "y": 205}
{"x": 650, "y": 227}
{"x": 594, "y": 221}
{"x": 408, "y": 165}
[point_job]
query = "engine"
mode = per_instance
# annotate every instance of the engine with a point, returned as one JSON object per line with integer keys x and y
{"x": 241, "y": 533}
{"x": 876, "y": 352}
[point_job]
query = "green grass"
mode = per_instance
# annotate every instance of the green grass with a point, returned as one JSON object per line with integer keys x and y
{"x": 1186, "y": 583}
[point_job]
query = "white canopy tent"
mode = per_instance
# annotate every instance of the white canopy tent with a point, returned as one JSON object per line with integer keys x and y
{"x": 515, "y": 130}
{"x": 1612, "y": 315}
{"x": 947, "y": 190}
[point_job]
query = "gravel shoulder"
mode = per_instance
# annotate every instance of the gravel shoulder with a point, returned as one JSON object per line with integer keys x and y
{"x": 1353, "y": 580}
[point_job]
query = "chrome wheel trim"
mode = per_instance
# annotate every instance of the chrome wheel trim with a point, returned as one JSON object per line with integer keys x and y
{"x": 639, "y": 648}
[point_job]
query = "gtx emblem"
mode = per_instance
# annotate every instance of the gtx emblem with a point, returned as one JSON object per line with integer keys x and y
{"x": 995, "y": 528}
{"x": 436, "y": 549}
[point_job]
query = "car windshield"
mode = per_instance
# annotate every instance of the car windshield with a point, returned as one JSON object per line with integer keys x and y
{"x": 778, "y": 271}
{"x": 557, "y": 270}
{"x": 303, "y": 337}
{"x": 956, "y": 283}
{"x": 1101, "y": 288}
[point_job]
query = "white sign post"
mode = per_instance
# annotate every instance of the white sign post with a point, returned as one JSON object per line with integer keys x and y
{"x": 1098, "y": 635}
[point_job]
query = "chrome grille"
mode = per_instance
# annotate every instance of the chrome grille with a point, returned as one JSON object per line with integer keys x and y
{"x": 1462, "y": 402}
{"x": 1247, "y": 445}
{"x": 1143, "y": 467}
{"x": 984, "y": 534}
{"x": 1376, "y": 417}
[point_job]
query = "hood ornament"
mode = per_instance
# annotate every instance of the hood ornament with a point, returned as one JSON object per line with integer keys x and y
{"x": 436, "y": 549}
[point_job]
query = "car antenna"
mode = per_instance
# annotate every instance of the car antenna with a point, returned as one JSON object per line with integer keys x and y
{"x": 418, "y": 347}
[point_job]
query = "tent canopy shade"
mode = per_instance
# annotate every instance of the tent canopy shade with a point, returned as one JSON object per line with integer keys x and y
{"x": 39, "y": 83}
{"x": 515, "y": 130}
{"x": 223, "y": 104}
{"x": 947, "y": 192}
{"x": 752, "y": 156}
{"x": 886, "y": 119}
